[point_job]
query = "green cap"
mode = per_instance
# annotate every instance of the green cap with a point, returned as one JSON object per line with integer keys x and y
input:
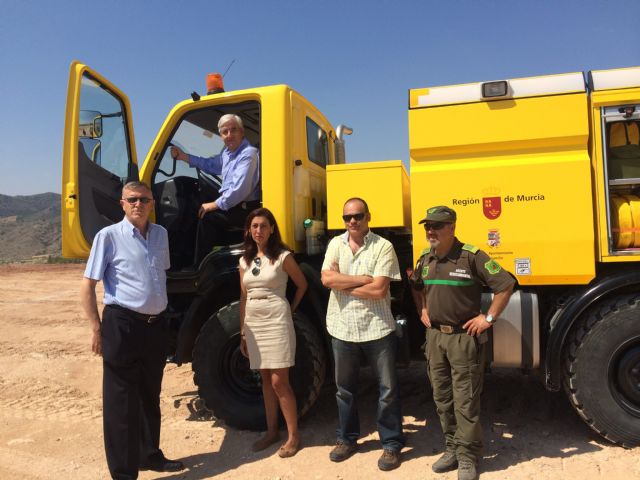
{"x": 439, "y": 214}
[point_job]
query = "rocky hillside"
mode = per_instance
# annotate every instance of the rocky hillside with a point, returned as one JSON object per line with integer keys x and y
{"x": 29, "y": 226}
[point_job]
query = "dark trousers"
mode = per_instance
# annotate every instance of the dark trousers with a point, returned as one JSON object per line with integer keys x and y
{"x": 222, "y": 227}
{"x": 456, "y": 370}
{"x": 134, "y": 355}
{"x": 381, "y": 355}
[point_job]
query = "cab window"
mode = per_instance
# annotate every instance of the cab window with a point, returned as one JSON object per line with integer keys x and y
{"x": 179, "y": 189}
{"x": 194, "y": 138}
{"x": 317, "y": 145}
{"x": 102, "y": 131}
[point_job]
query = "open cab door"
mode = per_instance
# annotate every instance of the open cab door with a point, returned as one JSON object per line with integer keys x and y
{"x": 99, "y": 157}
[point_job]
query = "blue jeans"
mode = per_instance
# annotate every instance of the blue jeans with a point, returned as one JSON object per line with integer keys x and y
{"x": 381, "y": 355}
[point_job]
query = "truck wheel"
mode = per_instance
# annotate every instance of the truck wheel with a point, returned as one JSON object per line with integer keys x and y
{"x": 230, "y": 389}
{"x": 602, "y": 377}
{"x": 308, "y": 374}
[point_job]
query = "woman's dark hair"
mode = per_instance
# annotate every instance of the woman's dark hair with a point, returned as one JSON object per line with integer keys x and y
{"x": 274, "y": 244}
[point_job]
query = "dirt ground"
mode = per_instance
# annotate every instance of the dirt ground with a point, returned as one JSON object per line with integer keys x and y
{"x": 51, "y": 414}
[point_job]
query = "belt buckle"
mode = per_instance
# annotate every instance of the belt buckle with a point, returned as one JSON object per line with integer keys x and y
{"x": 446, "y": 328}
{"x": 152, "y": 318}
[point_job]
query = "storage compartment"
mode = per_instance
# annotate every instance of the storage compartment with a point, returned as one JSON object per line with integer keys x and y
{"x": 383, "y": 185}
{"x": 625, "y": 220}
{"x": 621, "y": 125}
{"x": 624, "y": 149}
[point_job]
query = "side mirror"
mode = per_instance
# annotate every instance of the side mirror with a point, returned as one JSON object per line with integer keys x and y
{"x": 90, "y": 124}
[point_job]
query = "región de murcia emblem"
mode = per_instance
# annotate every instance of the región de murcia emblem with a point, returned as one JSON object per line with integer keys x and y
{"x": 491, "y": 207}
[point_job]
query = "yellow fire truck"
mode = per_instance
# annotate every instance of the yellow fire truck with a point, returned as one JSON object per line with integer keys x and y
{"x": 543, "y": 172}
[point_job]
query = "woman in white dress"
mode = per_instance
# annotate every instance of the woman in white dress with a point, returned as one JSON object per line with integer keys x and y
{"x": 266, "y": 324}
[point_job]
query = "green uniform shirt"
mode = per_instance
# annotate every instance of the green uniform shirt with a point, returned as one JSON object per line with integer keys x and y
{"x": 454, "y": 283}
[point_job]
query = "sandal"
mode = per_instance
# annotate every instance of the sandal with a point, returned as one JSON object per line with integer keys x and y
{"x": 264, "y": 442}
{"x": 284, "y": 452}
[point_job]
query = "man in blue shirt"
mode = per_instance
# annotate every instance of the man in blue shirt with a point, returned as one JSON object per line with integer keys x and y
{"x": 239, "y": 166}
{"x": 130, "y": 258}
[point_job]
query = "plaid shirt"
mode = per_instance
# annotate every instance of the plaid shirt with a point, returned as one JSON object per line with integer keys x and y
{"x": 354, "y": 319}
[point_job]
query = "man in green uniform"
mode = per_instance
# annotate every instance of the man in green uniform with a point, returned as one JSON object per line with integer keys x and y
{"x": 451, "y": 276}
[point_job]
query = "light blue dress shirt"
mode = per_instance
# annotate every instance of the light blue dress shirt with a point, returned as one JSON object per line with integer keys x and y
{"x": 131, "y": 267}
{"x": 240, "y": 172}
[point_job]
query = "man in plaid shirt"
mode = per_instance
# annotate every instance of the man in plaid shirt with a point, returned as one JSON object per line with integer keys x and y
{"x": 358, "y": 267}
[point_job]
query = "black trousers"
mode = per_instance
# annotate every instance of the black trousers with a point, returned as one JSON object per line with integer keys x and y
{"x": 134, "y": 355}
{"x": 222, "y": 227}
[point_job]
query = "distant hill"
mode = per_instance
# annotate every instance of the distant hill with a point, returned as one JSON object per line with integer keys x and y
{"x": 29, "y": 226}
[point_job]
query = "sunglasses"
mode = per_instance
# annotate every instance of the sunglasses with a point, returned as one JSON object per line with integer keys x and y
{"x": 256, "y": 270}
{"x": 356, "y": 216}
{"x": 434, "y": 225}
{"x": 134, "y": 200}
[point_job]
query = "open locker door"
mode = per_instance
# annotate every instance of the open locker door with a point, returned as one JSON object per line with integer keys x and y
{"x": 99, "y": 157}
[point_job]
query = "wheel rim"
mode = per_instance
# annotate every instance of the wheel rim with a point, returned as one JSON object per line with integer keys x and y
{"x": 624, "y": 375}
{"x": 236, "y": 372}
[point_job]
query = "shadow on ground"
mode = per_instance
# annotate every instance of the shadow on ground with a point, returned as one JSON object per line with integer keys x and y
{"x": 521, "y": 420}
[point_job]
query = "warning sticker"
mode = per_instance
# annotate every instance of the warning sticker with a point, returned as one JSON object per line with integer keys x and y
{"x": 523, "y": 266}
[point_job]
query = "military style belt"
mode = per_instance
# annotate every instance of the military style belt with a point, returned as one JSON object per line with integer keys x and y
{"x": 448, "y": 329}
{"x": 138, "y": 316}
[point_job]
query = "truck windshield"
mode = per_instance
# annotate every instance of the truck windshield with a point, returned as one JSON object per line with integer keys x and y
{"x": 197, "y": 134}
{"x": 194, "y": 140}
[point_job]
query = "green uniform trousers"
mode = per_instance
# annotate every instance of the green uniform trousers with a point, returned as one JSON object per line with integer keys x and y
{"x": 456, "y": 368}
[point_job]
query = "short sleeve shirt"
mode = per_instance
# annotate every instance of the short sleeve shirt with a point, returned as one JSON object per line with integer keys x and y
{"x": 354, "y": 319}
{"x": 454, "y": 282}
{"x": 131, "y": 267}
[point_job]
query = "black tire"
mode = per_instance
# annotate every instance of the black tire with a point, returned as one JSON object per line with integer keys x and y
{"x": 230, "y": 389}
{"x": 309, "y": 372}
{"x": 602, "y": 369}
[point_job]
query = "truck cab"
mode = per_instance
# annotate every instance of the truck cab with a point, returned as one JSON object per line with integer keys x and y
{"x": 99, "y": 148}
{"x": 295, "y": 143}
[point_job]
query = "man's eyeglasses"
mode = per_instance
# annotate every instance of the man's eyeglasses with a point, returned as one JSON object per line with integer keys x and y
{"x": 434, "y": 225}
{"x": 134, "y": 200}
{"x": 256, "y": 270}
{"x": 356, "y": 216}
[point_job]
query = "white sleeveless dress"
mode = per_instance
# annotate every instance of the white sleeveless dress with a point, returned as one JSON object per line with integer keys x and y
{"x": 268, "y": 326}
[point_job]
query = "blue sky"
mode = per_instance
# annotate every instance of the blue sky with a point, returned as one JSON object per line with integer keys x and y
{"x": 355, "y": 60}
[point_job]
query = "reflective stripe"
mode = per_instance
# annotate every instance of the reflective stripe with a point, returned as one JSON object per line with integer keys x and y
{"x": 455, "y": 283}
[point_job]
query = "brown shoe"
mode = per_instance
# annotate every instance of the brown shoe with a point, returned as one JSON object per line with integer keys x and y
{"x": 286, "y": 452}
{"x": 389, "y": 460}
{"x": 342, "y": 451}
{"x": 264, "y": 442}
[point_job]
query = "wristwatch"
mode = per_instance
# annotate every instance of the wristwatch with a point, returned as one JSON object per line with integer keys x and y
{"x": 489, "y": 318}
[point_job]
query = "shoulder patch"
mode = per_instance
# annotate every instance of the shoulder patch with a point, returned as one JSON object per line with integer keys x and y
{"x": 492, "y": 267}
{"x": 425, "y": 272}
{"x": 470, "y": 248}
